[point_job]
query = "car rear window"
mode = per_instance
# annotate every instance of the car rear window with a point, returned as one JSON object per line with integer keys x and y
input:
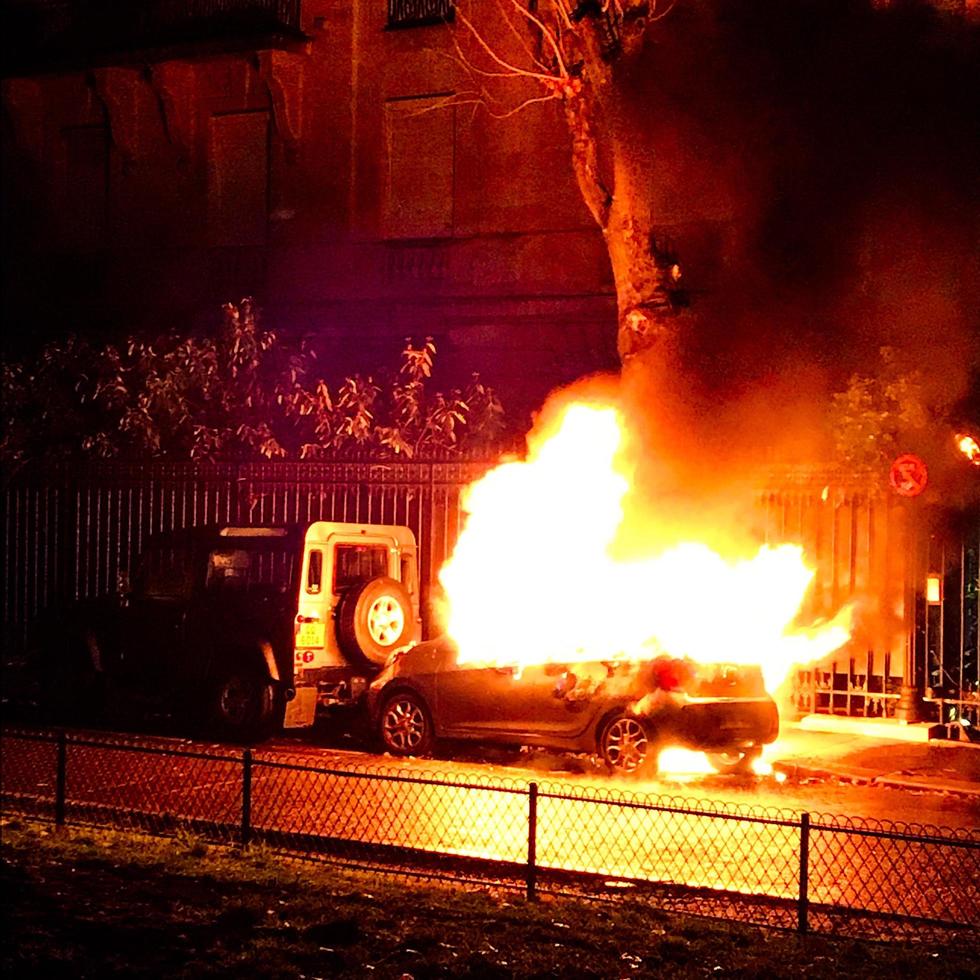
{"x": 164, "y": 573}
{"x": 355, "y": 562}
{"x": 250, "y": 569}
{"x": 727, "y": 681}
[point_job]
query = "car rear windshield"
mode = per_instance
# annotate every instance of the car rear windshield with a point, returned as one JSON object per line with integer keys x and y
{"x": 164, "y": 572}
{"x": 250, "y": 569}
{"x": 356, "y": 562}
{"x": 727, "y": 681}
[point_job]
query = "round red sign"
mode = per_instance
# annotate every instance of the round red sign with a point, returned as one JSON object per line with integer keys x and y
{"x": 908, "y": 475}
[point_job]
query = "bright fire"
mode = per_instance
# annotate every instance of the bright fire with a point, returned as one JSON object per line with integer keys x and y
{"x": 533, "y": 579}
{"x": 969, "y": 447}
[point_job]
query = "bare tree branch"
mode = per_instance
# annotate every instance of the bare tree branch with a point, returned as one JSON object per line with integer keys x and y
{"x": 520, "y": 35}
{"x": 496, "y": 58}
{"x": 547, "y": 34}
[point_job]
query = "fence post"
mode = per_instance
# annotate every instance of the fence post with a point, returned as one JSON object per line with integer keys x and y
{"x": 532, "y": 839}
{"x": 802, "y": 923}
{"x": 246, "y": 797}
{"x": 61, "y": 780}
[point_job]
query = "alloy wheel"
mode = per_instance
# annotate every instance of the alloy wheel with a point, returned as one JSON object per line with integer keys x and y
{"x": 625, "y": 744}
{"x": 404, "y": 725}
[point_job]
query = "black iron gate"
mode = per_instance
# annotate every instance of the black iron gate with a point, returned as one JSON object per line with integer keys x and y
{"x": 68, "y": 532}
{"x": 912, "y": 570}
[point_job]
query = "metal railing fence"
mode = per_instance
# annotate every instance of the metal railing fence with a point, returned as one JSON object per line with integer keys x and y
{"x": 811, "y": 872}
{"x": 69, "y": 531}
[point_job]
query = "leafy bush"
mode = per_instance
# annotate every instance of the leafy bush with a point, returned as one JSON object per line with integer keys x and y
{"x": 898, "y": 409}
{"x": 875, "y": 416}
{"x": 238, "y": 395}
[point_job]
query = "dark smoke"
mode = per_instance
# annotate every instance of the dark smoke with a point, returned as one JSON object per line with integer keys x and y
{"x": 816, "y": 162}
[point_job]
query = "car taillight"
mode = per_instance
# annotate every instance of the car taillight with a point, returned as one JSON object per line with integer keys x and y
{"x": 670, "y": 674}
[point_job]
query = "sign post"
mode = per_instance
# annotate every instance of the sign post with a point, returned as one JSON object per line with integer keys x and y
{"x": 908, "y": 476}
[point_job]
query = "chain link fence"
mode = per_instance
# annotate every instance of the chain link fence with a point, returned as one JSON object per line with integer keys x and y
{"x": 819, "y": 872}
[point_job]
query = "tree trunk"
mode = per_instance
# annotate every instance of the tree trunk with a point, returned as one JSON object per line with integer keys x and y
{"x": 645, "y": 278}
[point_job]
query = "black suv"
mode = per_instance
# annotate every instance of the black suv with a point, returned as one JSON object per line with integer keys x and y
{"x": 205, "y": 630}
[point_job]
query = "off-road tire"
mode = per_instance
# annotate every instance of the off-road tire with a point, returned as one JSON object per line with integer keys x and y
{"x": 243, "y": 705}
{"x": 374, "y": 619}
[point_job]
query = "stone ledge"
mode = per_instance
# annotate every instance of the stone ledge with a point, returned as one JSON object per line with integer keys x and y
{"x": 900, "y": 731}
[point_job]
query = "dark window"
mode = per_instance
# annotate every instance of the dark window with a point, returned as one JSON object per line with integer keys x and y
{"x": 415, "y": 13}
{"x": 354, "y": 562}
{"x": 238, "y": 178}
{"x": 164, "y": 573}
{"x": 241, "y": 569}
{"x": 314, "y": 574}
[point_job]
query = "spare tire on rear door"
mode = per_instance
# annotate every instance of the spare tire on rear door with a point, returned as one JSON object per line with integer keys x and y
{"x": 374, "y": 618}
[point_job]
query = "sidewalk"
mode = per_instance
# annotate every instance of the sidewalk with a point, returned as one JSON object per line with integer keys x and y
{"x": 876, "y": 752}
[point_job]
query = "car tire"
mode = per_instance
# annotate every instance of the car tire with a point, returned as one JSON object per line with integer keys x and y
{"x": 244, "y": 706}
{"x": 733, "y": 761}
{"x": 405, "y": 725}
{"x": 374, "y": 618}
{"x": 627, "y": 746}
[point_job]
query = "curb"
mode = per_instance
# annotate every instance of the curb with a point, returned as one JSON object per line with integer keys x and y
{"x": 871, "y": 777}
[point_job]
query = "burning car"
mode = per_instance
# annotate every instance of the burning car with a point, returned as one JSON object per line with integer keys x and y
{"x": 623, "y": 711}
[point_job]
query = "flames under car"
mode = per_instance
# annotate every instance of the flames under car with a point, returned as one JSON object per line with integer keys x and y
{"x": 624, "y": 712}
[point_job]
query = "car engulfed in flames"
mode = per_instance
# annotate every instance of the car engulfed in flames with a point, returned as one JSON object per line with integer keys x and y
{"x": 623, "y": 711}
{"x": 586, "y": 611}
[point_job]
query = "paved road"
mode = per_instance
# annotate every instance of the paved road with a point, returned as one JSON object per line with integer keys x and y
{"x": 813, "y": 795}
{"x": 714, "y": 832}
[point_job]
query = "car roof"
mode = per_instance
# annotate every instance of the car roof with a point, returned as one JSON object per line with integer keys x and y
{"x": 228, "y": 536}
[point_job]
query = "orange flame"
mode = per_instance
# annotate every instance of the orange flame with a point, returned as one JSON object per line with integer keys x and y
{"x": 968, "y": 446}
{"x": 532, "y": 579}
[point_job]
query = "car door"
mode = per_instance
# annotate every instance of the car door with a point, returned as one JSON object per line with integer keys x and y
{"x": 504, "y": 703}
{"x": 154, "y": 620}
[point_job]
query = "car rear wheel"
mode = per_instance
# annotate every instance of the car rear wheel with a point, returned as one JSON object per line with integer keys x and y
{"x": 734, "y": 761}
{"x": 405, "y": 725}
{"x": 244, "y": 706}
{"x": 626, "y": 745}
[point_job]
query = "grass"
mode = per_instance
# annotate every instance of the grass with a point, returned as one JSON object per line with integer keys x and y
{"x": 87, "y": 903}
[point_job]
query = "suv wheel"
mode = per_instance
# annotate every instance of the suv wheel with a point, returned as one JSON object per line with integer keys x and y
{"x": 734, "y": 761}
{"x": 243, "y": 706}
{"x": 373, "y": 619}
{"x": 626, "y": 745}
{"x": 405, "y": 726}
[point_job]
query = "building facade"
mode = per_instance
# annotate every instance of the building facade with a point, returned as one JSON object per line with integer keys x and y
{"x": 161, "y": 158}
